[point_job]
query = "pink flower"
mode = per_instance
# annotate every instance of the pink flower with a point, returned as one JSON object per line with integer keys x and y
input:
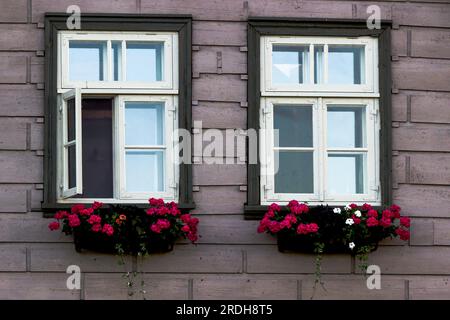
{"x": 96, "y": 227}
{"x": 74, "y": 221}
{"x": 307, "y": 228}
{"x": 299, "y": 209}
{"x": 372, "y": 222}
{"x": 185, "y": 218}
{"x": 162, "y": 211}
{"x": 156, "y": 202}
{"x": 263, "y": 224}
{"x": 293, "y": 203}
{"x": 274, "y": 207}
{"x": 185, "y": 228}
{"x": 385, "y": 222}
{"x": 108, "y": 229}
{"x": 387, "y": 214}
{"x": 274, "y": 226}
{"x": 353, "y": 206}
{"x": 372, "y": 213}
{"x": 163, "y": 224}
{"x": 151, "y": 211}
{"x": 155, "y": 228}
{"x": 94, "y": 219}
{"x": 404, "y": 234}
{"x": 61, "y": 215}
{"x": 405, "y": 221}
{"x": 76, "y": 208}
{"x": 366, "y": 206}
{"x": 192, "y": 236}
{"x": 395, "y": 210}
{"x": 53, "y": 225}
{"x": 175, "y": 211}
{"x": 356, "y": 220}
{"x": 97, "y": 205}
{"x": 270, "y": 214}
{"x": 86, "y": 212}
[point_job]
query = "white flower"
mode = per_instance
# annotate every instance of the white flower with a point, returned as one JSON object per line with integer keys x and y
{"x": 351, "y": 245}
{"x": 349, "y": 221}
{"x": 358, "y": 213}
{"x": 337, "y": 210}
{"x": 348, "y": 208}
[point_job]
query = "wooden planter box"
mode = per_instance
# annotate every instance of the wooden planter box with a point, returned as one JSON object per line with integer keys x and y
{"x": 98, "y": 242}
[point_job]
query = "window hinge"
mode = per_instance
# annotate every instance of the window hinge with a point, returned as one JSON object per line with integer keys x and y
{"x": 61, "y": 187}
{"x": 174, "y": 110}
{"x": 375, "y": 188}
{"x": 374, "y": 110}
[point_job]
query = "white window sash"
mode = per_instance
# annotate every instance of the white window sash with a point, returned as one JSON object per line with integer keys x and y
{"x": 309, "y": 89}
{"x": 170, "y": 65}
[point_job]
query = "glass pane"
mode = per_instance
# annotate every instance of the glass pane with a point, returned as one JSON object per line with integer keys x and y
{"x": 346, "y": 173}
{"x": 72, "y": 166}
{"x": 318, "y": 64}
{"x": 87, "y": 60}
{"x": 116, "y": 47}
{"x": 290, "y": 64}
{"x": 346, "y": 65}
{"x": 144, "y": 171}
{"x": 294, "y": 124}
{"x": 346, "y": 127}
{"x": 295, "y": 172}
{"x": 97, "y": 148}
{"x": 145, "y": 61}
{"x": 144, "y": 123}
{"x": 70, "y": 120}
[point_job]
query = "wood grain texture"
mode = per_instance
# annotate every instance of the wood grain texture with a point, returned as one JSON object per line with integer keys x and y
{"x": 13, "y": 68}
{"x": 227, "y": 60}
{"x": 434, "y": 43}
{"x": 13, "y": 199}
{"x": 21, "y": 37}
{"x": 430, "y": 108}
{"x": 20, "y": 167}
{"x": 435, "y": 288}
{"x": 14, "y": 11}
{"x": 219, "y": 200}
{"x": 21, "y": 100}
{"x": 422, "y": 232}
{"x": 219, "y": 33}
{"x": 13, "y": 134}
{"x": 441, "y": 233}
{"x": 399, "y": 107}
{"x": 224, "y": 88}
{"x": 219, "y": 174}
{"x": 421, "y": 138}
{"x": 221, "y": 115}
{"x": 423, "y": 168}
{"x": 425, "y": 15}
{"x": 12, "y": 258}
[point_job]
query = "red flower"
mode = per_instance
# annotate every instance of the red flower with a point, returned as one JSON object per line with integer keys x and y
{"x": 151, "y": 211}
{"x": 307, "y": 228}
{"x": 404, "y": 234}
{"x": 86, "y": 212}
{"x": 155, "y": 228}
{"x": 353, "y": 206}
{"x": 123, "y": 217}
{"x": 53, "y": 225}
{"x": 118, "y": 221}
{"x": 385, "y": 222}
{"x": 356, "y": 220}
{"x": 274, "y": 226}
{"x": 61, "y": 215}
{"x": 96, "y": 227}
{"x": 74, "y": 221}
{"x": 263, "y": 224}
{"x": 274, "y": 207}
{"x": 405, "y": 221}
{"x": 396, "y": 210}
{"x": 192, "y": 236}
{"x": 293, "y": 203}
{"x": 108, "y": 229}
{"x": 270, "y": 214}
{"x": 97, "y": 205}
{"x": 387, "y": 214}
{"x": 299, "y": 209}
{"x": 185, "y": 228}
{"x": 185, "y": 218}
{"x": 366, "y": 206}
{"x": 94, "y": 219}
{"x": 163, "y": 224}
{"x": 372, "y": 222}
{"x": 156, "y": 202}
{"x": 162, "y": 211}
{"x": 76, "y": 208}
{"x": 372, "y": 213}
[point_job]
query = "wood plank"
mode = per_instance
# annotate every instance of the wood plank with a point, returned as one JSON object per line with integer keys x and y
{"x": 36, "y": 286}
{"x": 441, "y": 234}
{"x": 221, "y": 115}
{"x": 399, "y": 45}
{"x": 426, "y": 15}
{"x": 353, "y": 289}
{"x": 225, "y": 88}
{"x": 13, "y": 198}
{"x": 421, "y": 74}
{"x": 210, "y": 200}
{"x": 430, "y": 108}
{"x": 100, "y": 286}
{"x": 13, "y": 134}
{"x": 21, "y": 100}
{"x": 422, "y": 201}
{"x": 430, "y": 43}
{"x": 244, "y": 289}
{"x": 219, "y": 143}
{"x": 196, "y": 259}
{"x": 421, "y": 138}
{"x": 267, "y": 259}
{"x": 412, "y": 260}
{"x": 219, "y": 33}
{"x": 425, "y": 288}
{"x": 219, "y": 174}
{"x": 37, "y": 70}
{"x": 13, "y": 257}
{"x": 20, "y": 167}
{"x": 398, "y": 169}
{"x": 37, "y": 136}
{"x": 57, "y": 257}
{"x": 21, "y": 37}
{"x": 399, "y": 107}
{"x": 214, "y": 59}
{"x": 14, "y": 11}
{"x": 40, "y": 7}
{"x": 13, "y": 68}
{"x": 430, "y": 169}
{"x": 422, "y": 232}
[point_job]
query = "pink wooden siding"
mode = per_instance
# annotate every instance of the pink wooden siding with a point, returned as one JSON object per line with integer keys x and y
{"x": 231, "y": 259}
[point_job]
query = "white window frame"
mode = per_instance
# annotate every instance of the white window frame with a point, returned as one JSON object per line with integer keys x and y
{"x": 311, "y": 89}
{"x": 165, "y": 91}
{"x": 170, "y": 60}
{"x": 319, "y": 99}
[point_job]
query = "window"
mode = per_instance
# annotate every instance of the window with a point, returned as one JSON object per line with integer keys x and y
{"x": 116, "y": 98}
{"x": 316, "y": 97}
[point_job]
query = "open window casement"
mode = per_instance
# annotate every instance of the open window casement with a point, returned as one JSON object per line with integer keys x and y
{"x": 71, "y": 148}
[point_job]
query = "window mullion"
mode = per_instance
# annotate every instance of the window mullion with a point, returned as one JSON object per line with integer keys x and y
{"x": 322, "y": 148}
{"x": 325, "y": 64}
{"x": 124, "y": 61}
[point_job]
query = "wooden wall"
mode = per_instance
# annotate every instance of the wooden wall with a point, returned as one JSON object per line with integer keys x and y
{"x": 231, "y": 259}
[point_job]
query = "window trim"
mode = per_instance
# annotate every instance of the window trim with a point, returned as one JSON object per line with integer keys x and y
{"x": 266, "y": 26}
{"x": 55, "y": 22}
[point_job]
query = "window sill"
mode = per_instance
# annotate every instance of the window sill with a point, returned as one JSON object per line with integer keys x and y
{"x": 49, "y": 209}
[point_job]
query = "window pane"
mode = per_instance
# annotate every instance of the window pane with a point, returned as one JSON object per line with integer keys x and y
{"x": 144, "y": 123}
{"x": 97, "y": 148}
{"x": 145, "y": 61}
{"x": 318, "y": 64}
{"x": 294, "y": 124}
{"x": 70, "y": 120}
{"x": 346, "y": 65}
{"x": 87, "y": 60}
{"x": 295, "y": 172}
{"x": 144, "y": 171}
{"x": 346, "y": 127}
{"x": 116, "y": 47}
{"x": 346, "y": 173}
{"x": 290, "y": 64}
{"x": 72, "y": 166}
